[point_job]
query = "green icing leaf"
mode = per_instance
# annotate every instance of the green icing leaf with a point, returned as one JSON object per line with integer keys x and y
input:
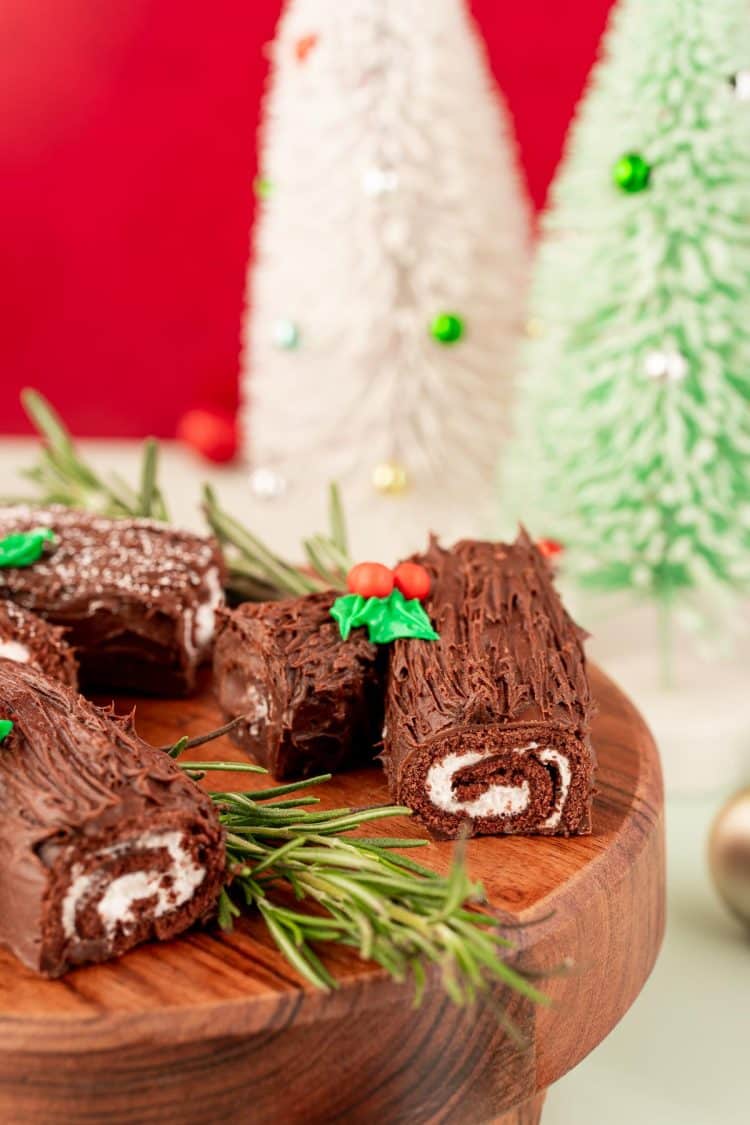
{"x": 401, "y": 618}
{"x": 25, "y": 547}
{"x": 347, "y": 611}
{"x": 6, "y": 726}
{"x": 386, "y": 619}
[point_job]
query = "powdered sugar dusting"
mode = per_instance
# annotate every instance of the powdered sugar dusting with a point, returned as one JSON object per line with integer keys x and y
{"x": 132, "y": 558}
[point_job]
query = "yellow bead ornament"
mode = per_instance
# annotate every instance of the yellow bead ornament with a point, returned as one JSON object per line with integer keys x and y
{"x": 390, "y": 478}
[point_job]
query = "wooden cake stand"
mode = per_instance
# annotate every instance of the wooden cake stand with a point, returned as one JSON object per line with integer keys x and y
{"x": 215, "y": 1028}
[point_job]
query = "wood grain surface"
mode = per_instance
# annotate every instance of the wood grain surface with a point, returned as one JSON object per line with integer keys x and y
{"x": 215, "y": 1027}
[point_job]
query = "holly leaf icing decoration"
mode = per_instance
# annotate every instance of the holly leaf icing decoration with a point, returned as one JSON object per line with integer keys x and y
{"x": 25, "y": 547}
{"x": 6, "y": 726}
{"x": 347, "y": 612}
{"x": 386, "y": 619}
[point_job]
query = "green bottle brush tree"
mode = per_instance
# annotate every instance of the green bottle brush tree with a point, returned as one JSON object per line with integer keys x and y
{"x": 633, "y": 443}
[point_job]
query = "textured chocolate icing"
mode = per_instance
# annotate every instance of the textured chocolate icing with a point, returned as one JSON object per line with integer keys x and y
{"x": 501, "y": 700}
{"x": 313, "y": 703}
{"x": 31, "y": 640}
{"x": 137, "y": 597}
{"x": 104, "y": 843}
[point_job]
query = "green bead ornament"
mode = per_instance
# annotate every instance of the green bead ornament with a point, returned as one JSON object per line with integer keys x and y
{"x": 286, "y": 335}
{"x": 447, "y": 328}
{"x": 6, "y": 726}
{"x": 631, "y": 173}
{"x": 262, "y": 187}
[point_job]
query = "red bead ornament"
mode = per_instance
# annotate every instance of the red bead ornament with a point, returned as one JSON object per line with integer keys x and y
{"x": 303, "y": 46}
{"x": 211, "y": 433}
{"x": 412, "y": 580}
{"x": 550, "y": 548}
{"x": 370, "y": 579}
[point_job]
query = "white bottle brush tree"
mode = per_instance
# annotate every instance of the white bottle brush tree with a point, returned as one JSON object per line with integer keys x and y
{"x": 390, "y": 256}
{"x": 634, "y": 426}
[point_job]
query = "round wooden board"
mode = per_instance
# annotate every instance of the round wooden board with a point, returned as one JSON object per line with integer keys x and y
{"x": 217, "y": 1027}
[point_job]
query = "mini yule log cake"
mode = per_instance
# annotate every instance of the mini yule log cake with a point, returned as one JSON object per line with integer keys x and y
{"x": 488, "y": 729}
{"x": 311, "y": 702}
{"x": 137, "y": 598}
{"x": 29, "y": 639}
{"x": 104, "y": 843}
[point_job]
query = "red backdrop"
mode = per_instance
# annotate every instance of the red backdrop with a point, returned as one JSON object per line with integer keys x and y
{"x": 127, "y": 150}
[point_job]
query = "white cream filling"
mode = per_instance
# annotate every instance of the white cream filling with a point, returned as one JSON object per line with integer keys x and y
{"x": 497, "y": 800}
{"x": 205, "y": 614}
{"x": 14, "y": 650}
{"x": 257, "y": 709}
{"x": 564, "y": 774}
{"x": 119, "y": 896}
{"x": 200, "y": 623}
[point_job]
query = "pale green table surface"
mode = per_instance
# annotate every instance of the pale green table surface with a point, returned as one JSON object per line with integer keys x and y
{"x": 682, "y": 1053}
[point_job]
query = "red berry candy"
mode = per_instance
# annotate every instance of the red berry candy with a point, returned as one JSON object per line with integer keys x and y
{"x": 371, "y": 580}
{"x": 412, "y": 580}
{"x": 211, "y": 433}
{"x": 303, "y": 46}
{"x": 550, "y": 548}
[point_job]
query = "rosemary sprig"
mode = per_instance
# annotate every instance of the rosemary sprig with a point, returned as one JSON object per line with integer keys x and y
{"x": 257, "y": 574}
{"x": 61, "y": 476}
{"x": 186, "y": 743}
{"x": 313, "y": 884}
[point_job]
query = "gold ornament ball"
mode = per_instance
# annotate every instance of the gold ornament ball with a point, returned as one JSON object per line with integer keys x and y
{"x": 729, "y": 855}
{"x": 534, "y": 328}
{"x": 390, "y": 478}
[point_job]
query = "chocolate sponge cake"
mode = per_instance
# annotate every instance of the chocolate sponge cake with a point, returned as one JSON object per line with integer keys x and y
{"x": 136, "y": 597}
{"x": 488, "y": 729}
{"x": 30, "y": 639}
{"x": 104, "y": 843}
{"x": 311, "y": 701}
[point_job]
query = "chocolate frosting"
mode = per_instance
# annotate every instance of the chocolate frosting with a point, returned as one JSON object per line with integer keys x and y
{"x": 137, "y": 597}
{"x": 509, "y": 670}
{"x": 313, "y": 702}
{"x": 76, "y": 784}
{"x": 26, "y": 637}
